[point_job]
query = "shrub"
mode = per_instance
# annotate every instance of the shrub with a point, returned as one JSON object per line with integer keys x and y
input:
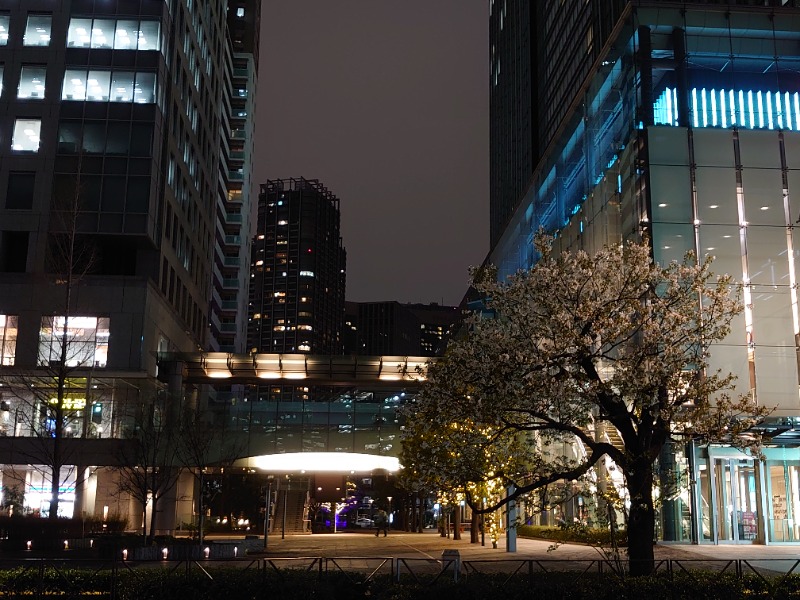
{"x": 583, "y": 535}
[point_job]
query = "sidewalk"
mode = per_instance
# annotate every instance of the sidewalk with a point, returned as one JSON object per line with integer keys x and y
{"x": 431, "y": 545}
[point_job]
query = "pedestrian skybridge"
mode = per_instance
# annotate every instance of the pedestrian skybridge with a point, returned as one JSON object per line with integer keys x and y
{"x": 305, "y": 369}
{"x": 299, "y": 412}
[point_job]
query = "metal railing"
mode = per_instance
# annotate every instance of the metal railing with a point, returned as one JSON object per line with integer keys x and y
{"x": 34, "y": 577}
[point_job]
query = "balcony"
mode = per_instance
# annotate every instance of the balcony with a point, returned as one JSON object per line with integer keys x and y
{"x": 233, "y": 217}
{"x": 231, "y": 283}
{"x": 231, "y": 261}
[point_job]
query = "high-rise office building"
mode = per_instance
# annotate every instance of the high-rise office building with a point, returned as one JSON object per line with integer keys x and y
{"x": 124, "y": 136}
{"x": 236, "y": 225}
{"x": 681, "y": 125}
{"x": 393, "y": 328}
{"x": 297, "y": 272}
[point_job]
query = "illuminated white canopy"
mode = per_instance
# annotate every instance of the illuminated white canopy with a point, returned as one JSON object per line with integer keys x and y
{"x": 321, "y": 461}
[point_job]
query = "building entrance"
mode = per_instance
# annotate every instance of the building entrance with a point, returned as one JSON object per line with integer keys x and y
{"x": 736, "y": 500}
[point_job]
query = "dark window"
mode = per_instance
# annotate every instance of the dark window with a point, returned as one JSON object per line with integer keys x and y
{"x": 141, "y": 140}
{"x": 14, "y": 256}
{"x": 20, "y": 190}
{"x": 138, "y": 194}
{"x": 94, "y": 138}
{"x": 113, "y": 194}
{"x": 118, "y": 138}
{"x": 69, "y": 137}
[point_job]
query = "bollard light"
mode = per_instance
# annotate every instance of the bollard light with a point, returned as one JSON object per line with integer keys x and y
{"x": 66, "y": 544}
{"x": 235, "y": 551}
{"x": 124, "y": 554}
{"x": 206, "y": 551}
{"x": 164, "y": 553}
{"x": 29, "y": 544}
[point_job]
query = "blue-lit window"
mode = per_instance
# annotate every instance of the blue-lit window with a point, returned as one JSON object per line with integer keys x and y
{"x": 726, "y": 108}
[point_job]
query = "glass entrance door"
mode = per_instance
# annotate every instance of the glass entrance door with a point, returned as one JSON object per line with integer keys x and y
{"x": 736, "y": 500}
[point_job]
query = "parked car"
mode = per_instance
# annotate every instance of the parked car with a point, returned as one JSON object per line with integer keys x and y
{"x": 364, "y": 522}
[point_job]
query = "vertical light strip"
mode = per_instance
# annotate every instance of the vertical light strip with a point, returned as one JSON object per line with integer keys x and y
{"x": 769, "y": 110}
{"x": 732, "y": 107}
{"x": 750, "y": 108}
{"x": 797, "y": 111}
{"x": 675, "y": 105}
{"x": 705, "y": 107}
{"x": 779, "y": 109}
{"x": 742, "y": 120}
{"x": 787, "y": 110}
{"x": 723, "y": 109}
{"x": 696, "y": 117}
{"x": 792, "y": 274}
{"x": 668, "y": 94}
{"x": 760, "y": 110}
{"x": 713, "y": 108}
{"x": 747, "y": 295}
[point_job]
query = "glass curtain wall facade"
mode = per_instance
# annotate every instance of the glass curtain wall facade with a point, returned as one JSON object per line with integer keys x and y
{"x": 687, "y": 131}
{"x": 116, "y": 123}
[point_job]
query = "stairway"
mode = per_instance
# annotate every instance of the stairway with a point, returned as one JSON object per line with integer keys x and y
{"x": 295, "y": 511}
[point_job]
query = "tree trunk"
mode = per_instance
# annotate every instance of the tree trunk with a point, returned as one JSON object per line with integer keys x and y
{"x": 152, "y": 534}
{"x": 457, "y": 523}
{"x": 641, "y": 522}
{"x": 473, "y": 528}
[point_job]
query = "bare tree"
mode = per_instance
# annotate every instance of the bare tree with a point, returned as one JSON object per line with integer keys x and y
{"x": 149, "y": 464}
{"x": 204, "y": 446}
{"x": 55, "y": 394}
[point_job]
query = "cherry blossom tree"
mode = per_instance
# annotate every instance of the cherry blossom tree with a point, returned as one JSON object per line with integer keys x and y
{"x": 577, "y": 343}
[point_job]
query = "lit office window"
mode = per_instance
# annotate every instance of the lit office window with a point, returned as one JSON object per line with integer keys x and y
{"x": 31, "y": 82}
{"x": 103, "y": 33}
{"x": 79, "y": 34}
{"x": 37, "y": 33}
{"x": 126, "y": 35}
{"x": 26, "y": 135}
{"x": 87, "y": 341}
{"x": 240, "y": 12}
{"x": 8, "y": 339}
{"x": 4, "y": 21}
{"x": 120, "y": 34}
{"x": 144, "y": 91}
{"x": 105, "y": 86}
{"x": 122, "y": 86}
{"x": 148, "y": 36}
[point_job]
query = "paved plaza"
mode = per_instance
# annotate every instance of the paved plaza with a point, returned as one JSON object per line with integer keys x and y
{"x": 431, "y": 545}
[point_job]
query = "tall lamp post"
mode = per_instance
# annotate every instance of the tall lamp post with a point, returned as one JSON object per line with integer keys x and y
{"x": 389, "y": 516}
{"x": 267, "y": 510}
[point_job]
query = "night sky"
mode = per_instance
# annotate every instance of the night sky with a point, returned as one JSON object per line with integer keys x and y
{"x": 386, "y": 103}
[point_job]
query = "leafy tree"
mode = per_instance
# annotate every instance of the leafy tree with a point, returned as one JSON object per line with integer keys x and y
{"x": 610, "y": 340}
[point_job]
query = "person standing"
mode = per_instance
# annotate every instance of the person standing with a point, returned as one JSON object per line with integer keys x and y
{"x": 381, "y": 522}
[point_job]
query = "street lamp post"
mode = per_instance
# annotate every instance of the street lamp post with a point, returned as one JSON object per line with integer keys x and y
{"x": 389, "y": 516}
{"x": 267, "y": 510}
